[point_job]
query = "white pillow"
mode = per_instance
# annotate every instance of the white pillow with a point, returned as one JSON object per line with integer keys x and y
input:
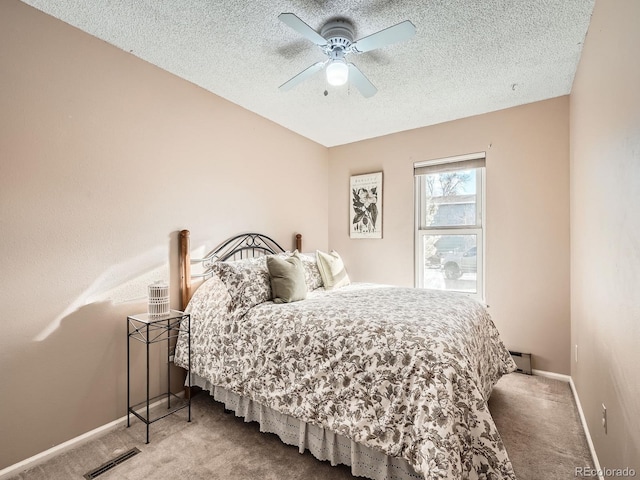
{"x": 332, "y": 270}
{"x": 311, "y": 272}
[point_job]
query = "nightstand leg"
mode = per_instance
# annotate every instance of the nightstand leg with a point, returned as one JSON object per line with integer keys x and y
{"x": 128, "y": 377}
{"x": 168, "y": 364}
{"x": 148, "y": 417}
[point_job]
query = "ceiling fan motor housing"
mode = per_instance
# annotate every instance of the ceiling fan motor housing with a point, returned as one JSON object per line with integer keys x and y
{"x": 339, "y": 36}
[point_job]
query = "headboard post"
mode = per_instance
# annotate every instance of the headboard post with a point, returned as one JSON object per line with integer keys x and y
{"x": 299, "y": 242}
{"x": 185, "y": 269}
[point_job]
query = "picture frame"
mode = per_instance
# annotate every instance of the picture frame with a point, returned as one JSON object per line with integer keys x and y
{"x": 365, "y": 206}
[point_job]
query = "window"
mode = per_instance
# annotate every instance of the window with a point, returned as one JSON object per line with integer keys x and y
{"x": 449, "y": 224}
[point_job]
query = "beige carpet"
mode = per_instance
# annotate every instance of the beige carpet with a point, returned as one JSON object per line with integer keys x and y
{"x": 539, "y": 424}
{"x": 536, "y": 417}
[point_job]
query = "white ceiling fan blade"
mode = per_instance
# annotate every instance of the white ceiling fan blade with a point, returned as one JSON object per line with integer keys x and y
{"x": 303, "y": 75}
{"x": 362, "y": 83}
{"x": 398, "y": 33}
{"x": 302, "y": 28}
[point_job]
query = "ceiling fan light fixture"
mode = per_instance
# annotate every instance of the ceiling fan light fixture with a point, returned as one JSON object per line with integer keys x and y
{"x": 337, "y": 72}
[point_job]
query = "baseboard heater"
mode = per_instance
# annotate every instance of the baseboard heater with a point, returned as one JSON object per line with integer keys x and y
{"x": 523, "y": 362}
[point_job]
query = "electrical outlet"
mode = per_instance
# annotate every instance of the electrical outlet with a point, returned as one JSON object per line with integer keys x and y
{"x": 604, "y": 418}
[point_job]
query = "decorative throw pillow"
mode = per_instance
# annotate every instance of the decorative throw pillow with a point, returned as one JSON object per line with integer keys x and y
{"x": 312, "y": 275}
{"x": 247, "y": 282}
{"x": 332, "y": 270}
{"x": 287, "y": 278}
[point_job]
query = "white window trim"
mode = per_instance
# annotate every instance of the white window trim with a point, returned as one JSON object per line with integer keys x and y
{"x": 480, "y": 232}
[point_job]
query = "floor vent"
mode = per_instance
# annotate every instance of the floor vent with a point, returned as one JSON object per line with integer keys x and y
{"x": 105, "y": 467}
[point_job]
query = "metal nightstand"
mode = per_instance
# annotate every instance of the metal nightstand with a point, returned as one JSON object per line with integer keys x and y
{"x": 148, "y": 330}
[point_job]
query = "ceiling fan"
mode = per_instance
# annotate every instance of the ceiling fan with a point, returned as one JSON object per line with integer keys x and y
{"x": 336, "y": 41}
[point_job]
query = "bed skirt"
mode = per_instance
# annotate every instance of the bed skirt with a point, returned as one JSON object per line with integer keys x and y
{"x": 322, "y": 444}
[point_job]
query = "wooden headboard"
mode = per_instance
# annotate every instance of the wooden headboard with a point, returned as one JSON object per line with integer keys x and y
{"x": 245, "y": 245}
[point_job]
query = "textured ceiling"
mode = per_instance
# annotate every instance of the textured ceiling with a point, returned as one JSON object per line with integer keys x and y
{"x": 467, "y": 57}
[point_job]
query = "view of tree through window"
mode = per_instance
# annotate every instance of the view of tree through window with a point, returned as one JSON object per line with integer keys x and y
{"x": 449, "y": 231}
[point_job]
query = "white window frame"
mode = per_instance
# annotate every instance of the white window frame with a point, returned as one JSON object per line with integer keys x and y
{"x": 444, "y": 165}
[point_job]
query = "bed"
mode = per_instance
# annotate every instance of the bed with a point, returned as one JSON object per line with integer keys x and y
{"x": 391, "y": 381}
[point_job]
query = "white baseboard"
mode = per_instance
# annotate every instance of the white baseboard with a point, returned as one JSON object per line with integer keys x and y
{"x": 555, "y": 376}
{"x": 41, "y": 457}
{"x": 583, "y": 420}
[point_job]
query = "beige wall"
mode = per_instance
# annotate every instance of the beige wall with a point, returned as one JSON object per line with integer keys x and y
{"x": 103, "y": 158}
{"x": 605, "y": 231}
{"x": 527, "y": 232}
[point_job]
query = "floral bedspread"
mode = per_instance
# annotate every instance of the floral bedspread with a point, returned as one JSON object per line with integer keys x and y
{"x": 402, "y": 370}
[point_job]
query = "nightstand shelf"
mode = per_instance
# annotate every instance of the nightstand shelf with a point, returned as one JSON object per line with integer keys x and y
{"x": 157, "y": 412}
{"x": 148, "y": 330}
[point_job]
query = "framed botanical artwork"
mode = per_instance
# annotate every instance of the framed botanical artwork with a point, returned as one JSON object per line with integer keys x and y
{"x": 366, "y": 206}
